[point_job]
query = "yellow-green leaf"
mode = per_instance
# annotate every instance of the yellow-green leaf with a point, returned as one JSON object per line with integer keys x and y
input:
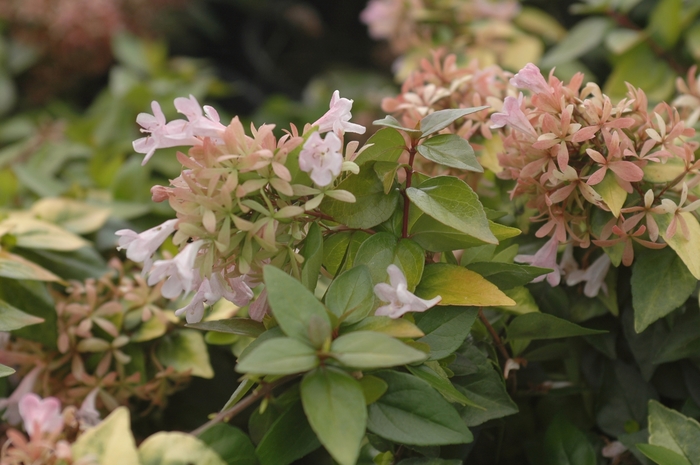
{"x": 110, "y": 442}
{"x": 459, "y": 286}
{"x": 75, "y": 216}
{"x": 15, "y": 267}
{"x": 687, "y": 249}
{"x": 613, "y": 194}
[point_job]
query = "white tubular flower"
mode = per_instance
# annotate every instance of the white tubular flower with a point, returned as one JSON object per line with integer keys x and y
{"x": 161, "y": 134}
{"x": 88, "y": 415}
{"x": 399, "y": 298}
{"x": 11, "y": 404}
{"x": 321, "y": 158}
{"x": 179, "y": 270}
{"x": 337, "y": 119}
{"x": 201, "y": 123}
{"x": 594, "y": 276}
{"x": 141, "y": 247}
{"x": 40, "y": 415}
{"x": 211, "y": 290}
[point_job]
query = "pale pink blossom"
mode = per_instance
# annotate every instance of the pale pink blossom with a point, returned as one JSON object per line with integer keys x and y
{"x": 546, "y": 257}
{"x": 141, "y": 247}
{"x": 179, "y": 271}
{"x": 337, "y": 118}
{"x": 400, "y": 299}
{"x": 594, "y": 276}
{"x": 530, "y": 78}
{"x": 11, "y": 404}
{"x": 201, "y": 123}
{"x": 613, "y": 450}
{"x": 87, "y": 414}
{"x": 41, "y": 415}
{"x": 513, "y": 115}
{"x": 161, "y": 134}
{"x": 381, "y": 18}
{"x": 322, "y": 158}
{"x": 211, "y": 290}
{"x": 260, "y": 307}
{"x": 669, "y": 206}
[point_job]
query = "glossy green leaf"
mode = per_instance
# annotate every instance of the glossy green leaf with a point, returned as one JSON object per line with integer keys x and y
{"x": 400, "y": 327}
{"x": 371, "y": 207}
{"x": 450, "y": 150}
{"x": 665, "y": 22}
{"x": 437, "y": 237}
{"x": 335, "y": 407}
{"x": 507, "y": 275}
{"x": 662, "y": 455}
{"x": 72, "y": 215}
{"x": 387, "y": 145}
{"x": 372, "y": 388}
{"x": 240, "y": 326}
{"x": 655, "y": 294}
{"x": 292, "y": 304}
{"x": 391, "y": 122}
{"x": 15, "y": 267}
{"x": 613, "y": 194}
{"x": 32, "y": 297}
{"x": 367, "y": 350}
{"x": 544, "y": 326}
{"x": 110, "y": 442}
{"x": 80, "y": 264}
{"x": 313, "y": 257}
{"x": 445, "y": 328}
{"x": 289, "y": 438}
{"x": 335, "y": 247}
{"x": 174, "y": 448}
{"x": 674, "y": 431}
{"x": 386, "y": 172}
{"x": 687, "y": 249}
{"x": 564, "y": 444}
{"x": 383, "y": 249}
{"x": 185, "y": 350}
{"x": 351, "y": 294}
{"x": 411, "y": 412}
{"x": 440, "y": 119}
{"x": 642, "y": 68}
{"x": 12, "y": 318}
{"x": 429, "y": 461}
{"x": 459, "y": 286}
{"x": 582, "y": 38}
{"x": 230, "y": 443}
{"x": 279, "y": 356}
{"x": 32, "y": 233}
{"x": 5, "y": 371}
{"x": 485, "y": 387}
{"x": 453, "y": 203}
{"x": 441, "y": 384}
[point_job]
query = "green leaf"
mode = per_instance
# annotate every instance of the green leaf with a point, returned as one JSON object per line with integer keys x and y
{"x": 335, "y": 407}
{"x": 453, "y": 203}
{"x": 240, "y": 326}
{"x": 412, "y": 413}
{"x": 367, "y": 350}
{"x": 383, "y": 324}
{"x": 5, "y": 371}
{"x": 437, "y": 237}
{"x": 351, "y": 295}
{"x": 174, "y": 448}
{"x": 386, "y": 172}
{"x": 665, "y": 22}
{"x": 654, "y": 294}
{"x": 543, "y": 326}
{"x": 372, "y": 206}
{"x": 80, "y": 264}
{"x": 507, "y": 275}
{"x": 662, "y": 455}
{"x": 613, "y": 194}
{"x": 441, "y": 384}
{"x": 429, "y": 461}
{"x": 459, "y": 286}
{"x": 15, "y": 267}
{"x": 440, "y": 119}
{"x": 72, "y": 215}
{"x": 391, "y": 122}
{"x": 642, "y": 68}
{"x": 292, "y": 304}
{"x": 674, "y": 431}
{"x": 485, "y": 387}
{"x": 185, "y": 350}
{"x": 32, "y": 233}
{"x": 445, "y": 329}
{"x": 564, "y": 444}
{"x": 313, "y": 256}
{"x": 387, "y": 145}
{"x": 687, "y": 249}
{"x": 33, "y": 298}
{"x": 289, "y": 438}
{"x": 230, "y": 443}
{"x": 279, "y": 356}
{"x": 450, "y": 150}
{"x": 383, "y": 249}
{"x": 110, "y": 442}
{"x": 12, "y": 318}
{"x": 372, "y": 388}
{"x": 582, "y": 38}
{"x": 340, "y": 249}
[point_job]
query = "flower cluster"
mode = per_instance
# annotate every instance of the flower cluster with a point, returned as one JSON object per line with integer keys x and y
{"x": 242, "y": 201}
{"x": 596, "y": 172}
{"x": 101, "y": 325}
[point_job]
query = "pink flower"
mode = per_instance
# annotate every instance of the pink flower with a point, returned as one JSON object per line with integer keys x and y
{"x": 513, "y": 116}
{"x": 211, "y": 290}
{"x": 530, "y": 78}
{"x": 669, "y": 206}
{"x": 337, "y": 119}
{"x": 399, "y": 298}
{"x": 141, "y": 247}
{"x": 259, "y": 308}
{"x": 88, "y": 415}
{"x": 546, "y": 257}
{"x": 322, "y": 158}
{"x": 594, "y": 276}
{"x": 11, "y": 404}
{"x": 41, "y": 416}
{"x": 179, "y": 270}
{"x": 161, "y": 134}
{"x": 201, "y": 124}
{"x": 381, "y": 17}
